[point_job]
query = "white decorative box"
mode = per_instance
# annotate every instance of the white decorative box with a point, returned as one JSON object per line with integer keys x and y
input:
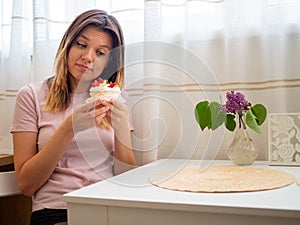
{"x": 284, "y": 139}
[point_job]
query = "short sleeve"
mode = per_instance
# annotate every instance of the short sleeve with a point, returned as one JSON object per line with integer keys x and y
{"x": 25, "y": 117}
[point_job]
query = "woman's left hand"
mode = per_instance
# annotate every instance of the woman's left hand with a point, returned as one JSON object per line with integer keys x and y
{"x": 117, "y": 116}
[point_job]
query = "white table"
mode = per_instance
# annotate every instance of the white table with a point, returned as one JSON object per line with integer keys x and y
{"x": 129, "y": 199}
{"x": 8, "y": 184}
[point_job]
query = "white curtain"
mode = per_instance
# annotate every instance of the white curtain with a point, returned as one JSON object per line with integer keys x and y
{"x": 29, "y": 36}
{"x": 199, "y": 50}
{"x": 178, "y": 53}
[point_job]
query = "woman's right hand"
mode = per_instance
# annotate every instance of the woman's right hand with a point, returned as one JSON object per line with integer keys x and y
{"x": 88, "y": 115}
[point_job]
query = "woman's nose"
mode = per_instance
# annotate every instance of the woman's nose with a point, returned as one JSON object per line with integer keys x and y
{"x": 88, "y": 56}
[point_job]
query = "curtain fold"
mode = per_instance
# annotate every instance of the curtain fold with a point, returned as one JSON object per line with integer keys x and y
{"x": 30, "y": 33}
{"x": 248, "y": 46}
{"x": 178, "y": 53}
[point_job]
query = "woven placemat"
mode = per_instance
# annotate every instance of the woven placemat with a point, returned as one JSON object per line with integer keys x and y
{"x": 298, "y": 181}
{"x": 223, "y": 179}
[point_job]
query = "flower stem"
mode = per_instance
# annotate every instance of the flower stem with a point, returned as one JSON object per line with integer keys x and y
{"x": 241, "y": 121}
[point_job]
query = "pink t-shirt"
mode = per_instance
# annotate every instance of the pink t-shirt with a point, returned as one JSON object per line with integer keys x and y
{"x": 88, "y": 158}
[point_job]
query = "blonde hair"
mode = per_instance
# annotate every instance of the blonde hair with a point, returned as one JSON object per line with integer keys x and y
{"x": 61, "y": 86}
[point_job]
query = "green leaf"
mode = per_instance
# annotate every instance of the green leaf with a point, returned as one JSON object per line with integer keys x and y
{"x": 209, "y": 115}
{"x": 217, "y": 116}
{"x": 230, "y": 122}
{"x": 260, "y": 113}
{"x": 202, "y": 115}
{"x": 251, "y": 121}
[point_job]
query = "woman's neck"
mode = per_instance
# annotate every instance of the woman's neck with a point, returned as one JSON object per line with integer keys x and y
{"x": 79, "y": 86}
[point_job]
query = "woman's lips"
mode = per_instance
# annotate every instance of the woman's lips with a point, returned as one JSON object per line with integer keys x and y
{"x": 84, "y": 68}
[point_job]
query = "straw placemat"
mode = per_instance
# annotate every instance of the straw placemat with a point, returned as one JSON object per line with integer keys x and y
{"x": 223, "y": 179}
{"x": 298, "y": 181}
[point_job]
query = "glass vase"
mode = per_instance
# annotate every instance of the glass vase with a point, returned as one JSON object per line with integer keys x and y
{"x": 242, "y": 150}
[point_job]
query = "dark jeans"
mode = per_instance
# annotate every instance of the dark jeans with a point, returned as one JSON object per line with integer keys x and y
{"x": 49, "y": 217}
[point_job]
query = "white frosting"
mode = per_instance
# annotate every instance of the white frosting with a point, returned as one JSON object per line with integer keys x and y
{"x": 101, "y": 88}
{"x": 103, "y": 92}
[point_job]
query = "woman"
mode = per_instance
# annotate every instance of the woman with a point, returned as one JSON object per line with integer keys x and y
{"x": 60, "y": 142}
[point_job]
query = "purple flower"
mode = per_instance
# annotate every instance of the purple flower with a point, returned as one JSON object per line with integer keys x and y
{"x": 236, "y": 103}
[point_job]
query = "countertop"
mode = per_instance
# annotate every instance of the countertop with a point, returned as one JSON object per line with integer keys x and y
{"x": 6, "y": 159}
{"x": 8, "y": 183}
{"x": 133, "y": 189}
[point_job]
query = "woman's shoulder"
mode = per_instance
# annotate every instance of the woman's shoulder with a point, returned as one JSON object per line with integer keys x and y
{"x": 35, "y": 91}
{"x": 35, "y": 87}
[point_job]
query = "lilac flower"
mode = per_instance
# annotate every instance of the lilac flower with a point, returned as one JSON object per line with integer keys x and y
{"x": 236, "y": 103}
{"x": 236, "y": 112}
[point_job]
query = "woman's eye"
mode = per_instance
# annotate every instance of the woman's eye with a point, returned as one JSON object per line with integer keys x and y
{"x": 100, "y": 53}
{"x": 82, "y": 45}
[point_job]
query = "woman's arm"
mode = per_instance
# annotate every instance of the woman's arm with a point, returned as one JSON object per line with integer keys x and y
{"x": 34, "y": 169}
{"x": 123, "y": 154}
